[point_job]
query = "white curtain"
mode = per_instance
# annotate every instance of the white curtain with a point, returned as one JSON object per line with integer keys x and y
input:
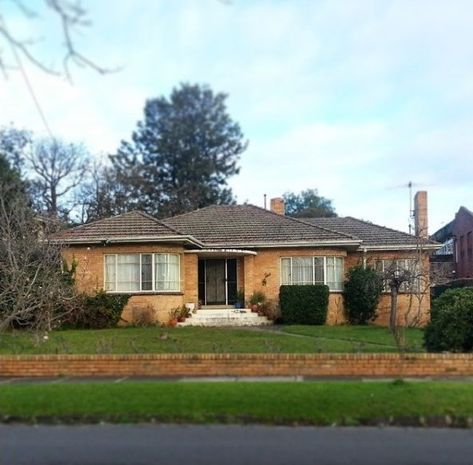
{"x": 302, "y": 270}
{"x": 167, "y": 272}
{"x": 335, "y": 273}
{"x": 128, "y": 272}
{"x": 110, "y": 272}
{"x": 319, "y": 270}
{"x": 286, "y": 271}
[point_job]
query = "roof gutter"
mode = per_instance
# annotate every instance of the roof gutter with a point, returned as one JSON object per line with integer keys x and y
{"x": 135, "y": 239}
{"x": 267, "y": 245}
{"x": 403, "y": 247}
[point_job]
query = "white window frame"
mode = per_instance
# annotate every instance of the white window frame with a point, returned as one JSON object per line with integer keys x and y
{"x": 153, "y": 274}
{"x": 314, "y": 257}
{"x": 407, "y": 287}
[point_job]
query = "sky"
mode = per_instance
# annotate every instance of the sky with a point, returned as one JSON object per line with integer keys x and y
{"x": 353, "y": 97}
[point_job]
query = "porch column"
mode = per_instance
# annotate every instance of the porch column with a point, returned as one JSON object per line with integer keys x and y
{"x": 249, "y": 275}
{"x": 190, "y": 276}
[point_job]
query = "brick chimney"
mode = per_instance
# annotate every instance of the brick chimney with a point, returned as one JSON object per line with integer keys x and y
{"x": 277, "y": 205}
{"x": 420, "y": 214}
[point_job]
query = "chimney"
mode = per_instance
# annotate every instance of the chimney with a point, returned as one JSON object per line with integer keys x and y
{"x": 420, "y": 214}
{"x": 277, "y": 205}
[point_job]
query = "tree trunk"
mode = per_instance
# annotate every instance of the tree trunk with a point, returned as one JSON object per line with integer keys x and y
{"x": 393, "y": 315}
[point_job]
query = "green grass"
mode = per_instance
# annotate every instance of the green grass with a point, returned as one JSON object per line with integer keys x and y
{"x": 286, "y": 339}
{"x": 321, "y": 403}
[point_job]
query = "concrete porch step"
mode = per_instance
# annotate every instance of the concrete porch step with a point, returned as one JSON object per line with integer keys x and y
{"x": 225, "y": 317}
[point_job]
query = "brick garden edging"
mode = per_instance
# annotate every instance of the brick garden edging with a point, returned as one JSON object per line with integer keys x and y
{"x": 170, "y": 365}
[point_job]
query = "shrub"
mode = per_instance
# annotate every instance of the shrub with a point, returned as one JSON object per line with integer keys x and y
{"x": 257, "y": 298}
{"x": 439, "y": 289}
{"x": 304, "y": 304}
{"x": 451, "y": 325}
{"x": 99, "y": 311}
{"x": 362, "y": 292}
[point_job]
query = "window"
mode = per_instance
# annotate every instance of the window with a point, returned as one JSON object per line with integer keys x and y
{"x": 142, "y": 272}
{"x": 397, "y": 267}
{"x": 313, "y": 270}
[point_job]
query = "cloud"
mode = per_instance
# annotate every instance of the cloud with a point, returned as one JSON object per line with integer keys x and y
{"x": 353, "y": 98}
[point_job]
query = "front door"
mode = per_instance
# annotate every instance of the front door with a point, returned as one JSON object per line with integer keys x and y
{"x": 218, "y": 281}
{"x": 215, "y": 283}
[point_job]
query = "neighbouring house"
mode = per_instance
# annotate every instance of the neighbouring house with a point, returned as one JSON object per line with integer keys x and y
{"x": 205, "y": 257}
{"x": 457, "y": 240}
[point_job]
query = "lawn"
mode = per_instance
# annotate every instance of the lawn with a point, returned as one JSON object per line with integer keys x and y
{"x": 284, "y": 339}
{"x": 322, "y": 403}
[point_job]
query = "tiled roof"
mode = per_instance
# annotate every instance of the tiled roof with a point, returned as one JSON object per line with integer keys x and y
{"x": 371, "y": 234}
{"x": 134, "y": 224}
{"x": 248, "y": 225}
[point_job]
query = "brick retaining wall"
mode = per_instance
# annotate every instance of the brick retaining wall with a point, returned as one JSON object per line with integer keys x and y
{"x": 316, "y": 365}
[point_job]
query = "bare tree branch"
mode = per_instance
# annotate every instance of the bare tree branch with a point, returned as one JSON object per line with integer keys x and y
{"x": 72, "y": 17}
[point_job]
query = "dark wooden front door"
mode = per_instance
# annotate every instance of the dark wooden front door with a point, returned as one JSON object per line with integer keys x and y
{"x": 215, "y": 284}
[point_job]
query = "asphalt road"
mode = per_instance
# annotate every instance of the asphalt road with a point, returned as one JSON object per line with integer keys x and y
{"x": 229, "y": 445}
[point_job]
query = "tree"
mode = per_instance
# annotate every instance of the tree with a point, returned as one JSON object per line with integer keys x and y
{"x": 362, "y": 291}
{"x": 72, "y": 18}
{"x": 58, "y": 168}
{"x": 99, "y": 195}
{"x": 34, "y": 290}
{"x": 182, "y": 154}
{"x": 308, "y": 204}
{"x": 12, "y": 145}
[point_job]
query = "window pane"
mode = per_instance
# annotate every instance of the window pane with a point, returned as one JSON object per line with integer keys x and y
{"x": 319, "y": 270}
{"x": 285, "y": 271}
{"x": 128, "y": 272}
{"x": 335, "y": 273}
{"x": 110, "y": 272}
{"x": 302, "y": 270}
{"x": 167, "y": 272}
{"x": 147, "y": 272}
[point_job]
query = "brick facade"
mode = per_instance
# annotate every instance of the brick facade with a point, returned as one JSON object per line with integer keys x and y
{"x": 463, "y": 236}
{"x": 169, "y": 365}
{"x": 259, "y": 272}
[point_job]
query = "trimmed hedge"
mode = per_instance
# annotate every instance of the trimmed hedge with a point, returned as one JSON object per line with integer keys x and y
{"x": 451, "y": 325}
{"x": 304, "y": 304}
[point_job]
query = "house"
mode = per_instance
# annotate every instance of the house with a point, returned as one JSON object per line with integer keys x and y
{"x": 457, "y": 239}
{"x": 203, "y": 258}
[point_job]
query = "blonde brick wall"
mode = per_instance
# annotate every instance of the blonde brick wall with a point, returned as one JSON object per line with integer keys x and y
{"x": 251, "y": 270}
{"x": 90, "y": 277}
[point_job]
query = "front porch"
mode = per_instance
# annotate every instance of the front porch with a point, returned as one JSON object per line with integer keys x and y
{"x": 224, "y": 286}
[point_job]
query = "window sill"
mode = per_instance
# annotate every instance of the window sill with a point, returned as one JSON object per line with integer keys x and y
{"x": 145, "y": 292}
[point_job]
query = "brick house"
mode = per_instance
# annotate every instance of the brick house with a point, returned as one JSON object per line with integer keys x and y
{"x": 457, "y": 237}
{"x": 203, "y": 258}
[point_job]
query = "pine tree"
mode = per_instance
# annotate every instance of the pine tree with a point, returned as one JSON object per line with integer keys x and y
{"x": 181, "y": 155}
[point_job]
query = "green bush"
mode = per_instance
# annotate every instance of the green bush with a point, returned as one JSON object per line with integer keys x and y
{"x": 451, "y": 325}
{"x": 439, "y": 289}
{"x": 362, "y": 292}
{"x": 98, "y": 311}
{"x": 306, "y": 304}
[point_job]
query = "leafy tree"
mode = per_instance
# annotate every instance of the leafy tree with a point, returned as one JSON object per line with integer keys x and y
{"x": 182, "y": 154}
{"x": 308, "y": 204}
{"x": 12, "y": 145}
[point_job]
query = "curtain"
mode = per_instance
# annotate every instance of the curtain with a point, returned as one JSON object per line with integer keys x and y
{"x": 167, "y": 272}
{"x": 110, "y": 272}
{"x": 319, "y": 270}
{"x": 302, "y": 270}
{"x": 335, "y": 273}
{"x": 128, "y": 272}
{"x": 286, "y": 271}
